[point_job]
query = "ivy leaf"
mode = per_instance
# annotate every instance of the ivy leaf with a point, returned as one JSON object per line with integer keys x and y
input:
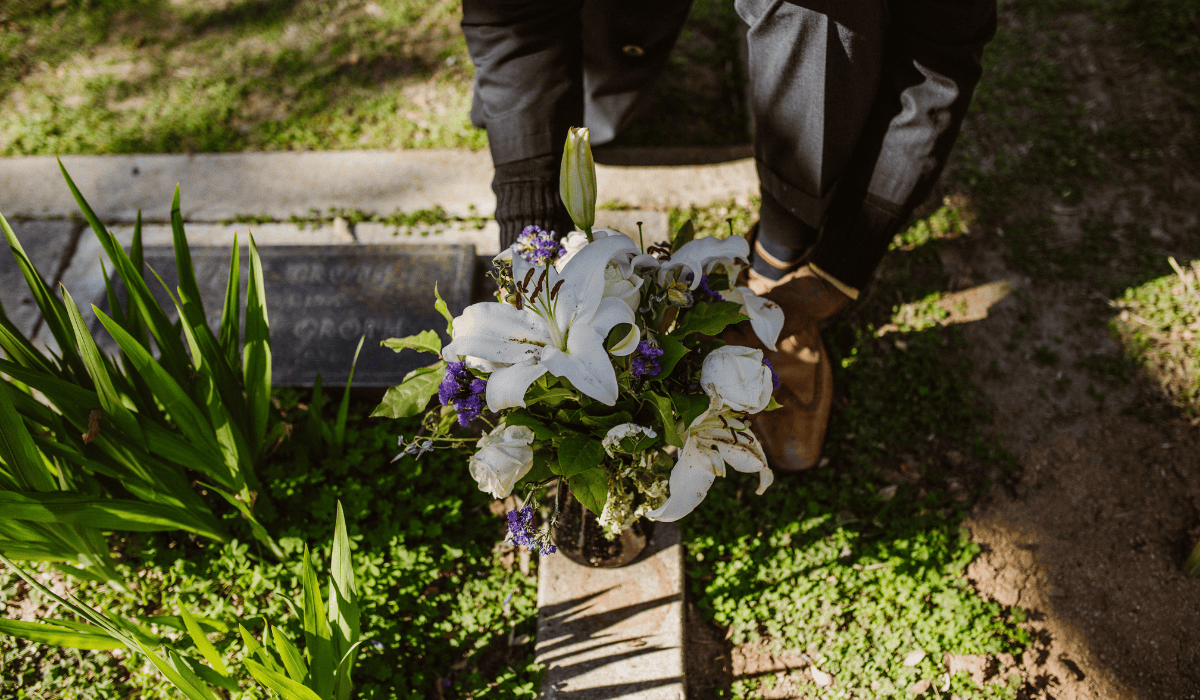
{"x": 666, "y": 414}
{"x": 709, "y": 318}
{"x": 578, "y": 453}
{"x": 590, "y": 488}
{"x": 413, "y": 394}
{"x": 425, "y": 341}
{"x": 673, "y": 352}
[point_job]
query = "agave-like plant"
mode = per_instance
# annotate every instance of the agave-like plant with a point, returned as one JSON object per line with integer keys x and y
{"x": 332, "y": 635}
{"x": 91, "y": 443}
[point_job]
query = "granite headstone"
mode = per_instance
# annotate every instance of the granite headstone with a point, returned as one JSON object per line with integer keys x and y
{"x": 322, "y": 299}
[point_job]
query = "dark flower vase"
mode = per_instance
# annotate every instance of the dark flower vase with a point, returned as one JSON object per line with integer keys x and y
{"x": 580, "y": 538}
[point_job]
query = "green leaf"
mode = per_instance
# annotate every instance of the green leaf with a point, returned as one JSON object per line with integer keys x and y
{"x": 425, "y": 341}
{"x": 577, "y": 453}
{"x": 343, "y": 592}
{"x": 19, "y": 453}
{"x": 590, "y": 488}
{"x": 663, "y": 406}
{"x": 551, "y": 396}
{"x": 709, "y": 318}
{"x": 689, "y": 406}
{"x": 253, "y": 647}
{"x": 49, "y": 632}
{"x": 54, "y": 314}
{"x": 293, "y": 662}
{"x": 540, "y": 471}
{"x": 444, "y": 310}
{"x": 685, "y": 235}
{"x": 257, "y": 355}
{"x": 773, "y": 404}
{"x": 286, "y": 687}
{"x": 525, "y": 418}
{"x": 231, "y": 315}
{"x": 164, "y": 332}
{"x": 344, "y": 685}
{"x": 110, "y": 400}
{"x": 207, "y": 625}
{"x": 673, "y": 352}
{"x": 189, "y": 291}
{"x": 318, "y": 638}
{"x": 413, "y": 394}
{"x": 205, "y": 647}
{"x": 191, "y": 686}
{"x": 339, "y": 426}
{"x": 316, "y": 423}
{"x": 179, "y": 405}
{"x": 100, "y": 513}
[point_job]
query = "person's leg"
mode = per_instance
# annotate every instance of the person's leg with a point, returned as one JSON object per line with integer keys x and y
{"x": 931, "y": 67}
{"x": 877, "y": 112}
{"x": 814, "y": 70}
{"x": 528, "y": 92}
{"x": 626, "y": 46}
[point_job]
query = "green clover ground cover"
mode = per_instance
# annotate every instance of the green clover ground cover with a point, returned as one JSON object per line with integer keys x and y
{"x": 435, "y": 591}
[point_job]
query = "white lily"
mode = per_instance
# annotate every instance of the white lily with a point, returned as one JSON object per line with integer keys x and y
{"x": 766, "y": 318}
{"x": 702, "y": 254}
{"x": 559, "y": 328}
{"x": 714, "y": 439}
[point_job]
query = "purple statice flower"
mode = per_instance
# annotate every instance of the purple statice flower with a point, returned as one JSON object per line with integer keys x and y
{"x": 538, "y": 246}
{"x": 645, "y": 360}
{"x": 462, "y": 391}
{"x": 774, "y": 376}
{"x": 518, "y": 525}
{"x": 705, "y": 292}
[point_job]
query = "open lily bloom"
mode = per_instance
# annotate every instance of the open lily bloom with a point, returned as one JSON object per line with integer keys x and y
{"x": 702, "y": 254}
{"x": 766, "y": 318}
{"x": 558, "y": 326}
{"x": 714, "y": 439}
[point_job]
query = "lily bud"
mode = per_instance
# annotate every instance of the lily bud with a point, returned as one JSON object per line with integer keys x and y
{"x": 577, "y": 179}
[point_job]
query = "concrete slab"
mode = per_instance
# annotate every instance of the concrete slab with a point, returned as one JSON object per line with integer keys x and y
{"x": 614, "y": 633}
{"x": 215, "y": 187}
{"x": 220, "y": 186}
{"x": 45, "y": 242}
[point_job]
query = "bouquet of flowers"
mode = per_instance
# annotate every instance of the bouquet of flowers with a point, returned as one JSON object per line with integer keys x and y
{"x": 599, "y": 368}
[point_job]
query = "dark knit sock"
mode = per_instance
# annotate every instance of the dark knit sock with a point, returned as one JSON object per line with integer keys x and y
{"x": 527, "y": 193}
{"x": 782, "y": 242}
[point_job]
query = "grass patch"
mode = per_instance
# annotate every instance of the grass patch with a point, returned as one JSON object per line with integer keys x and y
{"x": 1159, "y": 324}
{"x": 153, "y": 76}
{"x": 433, "y": 581}
{"x": 162, "y": 76}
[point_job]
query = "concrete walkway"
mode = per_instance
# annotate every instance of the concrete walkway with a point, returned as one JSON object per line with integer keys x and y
{"x": 636, "y": 655}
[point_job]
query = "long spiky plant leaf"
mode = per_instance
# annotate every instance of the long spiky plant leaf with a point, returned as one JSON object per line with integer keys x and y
{"x": 339, "y": 426}
{"x": 231, "y": 316}
{"x": 318, "y": 639}
{"x": 54, "y": 315}
{"x": 257, "y": 354}
{"x": 110, "y": 400}
{"x": 18, "y": 451}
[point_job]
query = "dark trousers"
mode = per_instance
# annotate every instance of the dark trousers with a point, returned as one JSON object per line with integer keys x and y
{"x": 856, "y": 103}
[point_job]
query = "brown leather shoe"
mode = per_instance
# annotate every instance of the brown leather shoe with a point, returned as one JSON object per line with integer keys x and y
{"x": 792, "y": 436}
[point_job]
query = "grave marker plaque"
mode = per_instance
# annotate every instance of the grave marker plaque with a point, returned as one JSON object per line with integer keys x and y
{"x": 322, "y": 299}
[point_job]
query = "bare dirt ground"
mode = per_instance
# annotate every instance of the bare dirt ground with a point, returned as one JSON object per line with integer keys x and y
{"x": 1091, "y": 538}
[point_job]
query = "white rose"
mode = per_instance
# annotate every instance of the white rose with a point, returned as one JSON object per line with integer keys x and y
{"x": 504, "y": 457}
{"x": 738, "y": 377}
{"x": 628, "y": 290}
